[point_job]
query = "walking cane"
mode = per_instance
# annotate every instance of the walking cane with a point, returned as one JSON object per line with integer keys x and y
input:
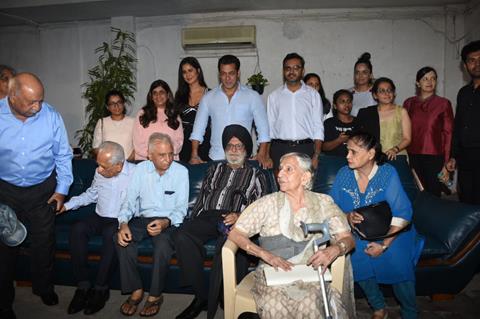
{"x": 323, "y": 229}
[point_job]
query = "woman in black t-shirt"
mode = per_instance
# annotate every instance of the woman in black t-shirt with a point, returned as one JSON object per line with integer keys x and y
{"x": 338, "y": 127}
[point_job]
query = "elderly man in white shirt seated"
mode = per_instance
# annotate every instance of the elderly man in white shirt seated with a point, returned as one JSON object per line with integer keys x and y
{"x": 108, "y": 190}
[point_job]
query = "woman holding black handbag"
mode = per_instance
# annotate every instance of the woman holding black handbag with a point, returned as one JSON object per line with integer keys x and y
{"x": 369, "y": 180}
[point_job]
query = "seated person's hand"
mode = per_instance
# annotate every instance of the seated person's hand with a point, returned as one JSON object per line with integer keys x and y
{"x": 230, "y": 218}
{"x": 276, "y": 261}
{"x": 324, "y": 257}
{"x": 354, "y": 218}
{"x": 124, "y": 235}
{"x": 155, "y": 227}
{"x": 374, "y": 249}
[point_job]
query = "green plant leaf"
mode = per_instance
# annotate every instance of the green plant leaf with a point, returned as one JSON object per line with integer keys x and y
{"x": 116, "y": 69}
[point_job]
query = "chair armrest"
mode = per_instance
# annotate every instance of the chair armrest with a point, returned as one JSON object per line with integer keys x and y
{"x": 229, "y": 250}
{"x": 338, "y": 272}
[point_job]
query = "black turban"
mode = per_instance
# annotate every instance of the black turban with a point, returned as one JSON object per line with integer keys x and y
{"x": 239, "y": 132}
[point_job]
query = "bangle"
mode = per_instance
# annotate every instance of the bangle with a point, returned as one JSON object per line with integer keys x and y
{"x": 343, "y": 247}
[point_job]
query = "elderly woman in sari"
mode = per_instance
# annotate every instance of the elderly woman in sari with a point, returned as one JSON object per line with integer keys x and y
{"x": 276, "y": 217}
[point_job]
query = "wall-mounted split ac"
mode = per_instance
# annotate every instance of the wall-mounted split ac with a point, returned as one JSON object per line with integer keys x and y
{"x": 218, "y": 37}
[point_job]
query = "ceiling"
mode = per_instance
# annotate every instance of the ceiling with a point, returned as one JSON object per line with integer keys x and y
{"x": 38, "y": 12}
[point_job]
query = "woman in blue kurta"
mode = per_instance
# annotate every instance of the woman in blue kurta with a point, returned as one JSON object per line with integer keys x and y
{"x": 368, "y": 180}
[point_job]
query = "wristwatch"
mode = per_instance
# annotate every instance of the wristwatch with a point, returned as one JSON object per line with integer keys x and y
{"x": 384, "y": 248}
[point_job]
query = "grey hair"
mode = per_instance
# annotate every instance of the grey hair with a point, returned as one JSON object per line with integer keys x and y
{"x": 4, "y": 67}
{"x": 159, "y": 137}
{"x": 115, "y": 150}
{"x": 305, "y": 163}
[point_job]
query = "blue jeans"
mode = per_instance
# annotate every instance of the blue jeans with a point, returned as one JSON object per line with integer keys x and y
{"x": 404, "y": 291}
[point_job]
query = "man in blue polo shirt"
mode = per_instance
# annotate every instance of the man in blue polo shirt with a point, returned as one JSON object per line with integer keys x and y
{"x": 36, "y": 170}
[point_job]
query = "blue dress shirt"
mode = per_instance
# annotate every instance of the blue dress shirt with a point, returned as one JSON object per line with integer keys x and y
{"x": 244, "y": 107}
{"x": 108, "y": 193}
{"x": 156, "y": 195}
{"x": 31, "y": 150}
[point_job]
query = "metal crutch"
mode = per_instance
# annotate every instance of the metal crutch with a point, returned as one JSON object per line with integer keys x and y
{"x": 323, "y": 229}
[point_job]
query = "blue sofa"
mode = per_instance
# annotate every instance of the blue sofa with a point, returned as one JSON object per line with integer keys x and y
{"x": 449, "y": 260}
{"x": 83, "y": 172}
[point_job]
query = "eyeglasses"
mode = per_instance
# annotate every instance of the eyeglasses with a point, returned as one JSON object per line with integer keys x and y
{"x": 387, "y": 91}
{"x": 236, "y": 147}
{"x": 295, "y": 68}
{"x": 115, "y": 104}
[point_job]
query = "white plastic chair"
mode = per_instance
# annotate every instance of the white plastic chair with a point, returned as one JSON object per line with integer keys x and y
{"x": 238, "y": 298}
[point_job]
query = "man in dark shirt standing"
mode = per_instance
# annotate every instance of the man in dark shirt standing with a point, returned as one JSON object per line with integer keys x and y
{"x": 227, "y": 189}
{"x": 466, "y": 132}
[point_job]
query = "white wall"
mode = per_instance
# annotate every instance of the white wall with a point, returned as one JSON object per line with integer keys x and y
{"x": 472, "y": 19}
{"x": 400, "y": 41}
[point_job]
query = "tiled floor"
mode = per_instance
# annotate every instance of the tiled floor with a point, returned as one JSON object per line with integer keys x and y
{"x": 466, "y": 305}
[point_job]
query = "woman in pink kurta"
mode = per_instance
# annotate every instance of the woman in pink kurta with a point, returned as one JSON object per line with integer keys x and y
{"x": 157, "y": 116}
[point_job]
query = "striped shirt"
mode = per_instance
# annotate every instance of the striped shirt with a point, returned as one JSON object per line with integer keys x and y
{"x": 223, "y": 185}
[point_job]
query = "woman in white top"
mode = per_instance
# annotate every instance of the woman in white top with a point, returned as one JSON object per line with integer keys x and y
{"x": 363, "y": 82}
{"x": 117, "y": 127}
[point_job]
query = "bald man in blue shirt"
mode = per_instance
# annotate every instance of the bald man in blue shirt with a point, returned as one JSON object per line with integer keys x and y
{"x": 36, "y": 171}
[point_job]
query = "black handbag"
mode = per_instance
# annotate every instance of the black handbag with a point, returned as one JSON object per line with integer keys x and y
{"x": 376, "y": 222}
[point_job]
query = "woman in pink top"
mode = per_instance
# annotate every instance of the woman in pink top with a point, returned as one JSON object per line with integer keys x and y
{"x": 157, "y": 116}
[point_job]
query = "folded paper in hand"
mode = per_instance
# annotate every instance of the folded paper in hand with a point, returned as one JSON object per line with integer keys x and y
{"x": 298, "y": 272}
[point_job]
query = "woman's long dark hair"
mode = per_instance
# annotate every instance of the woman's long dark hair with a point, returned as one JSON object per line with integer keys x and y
{"x": 183, "y": 91}
{"x": 368, "y": 141}
{"x": 326, "y": 103}
{"x": 150, "y": 110}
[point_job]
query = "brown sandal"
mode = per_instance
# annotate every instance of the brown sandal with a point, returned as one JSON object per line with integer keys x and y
{"x": 151, "y": 308}
{"x": 132, "y": 305}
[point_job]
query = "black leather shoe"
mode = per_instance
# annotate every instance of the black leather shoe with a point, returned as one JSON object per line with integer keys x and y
{"x": 96, "y": 301}
{"x": 7, "y": 313}
{"x": 79, "y": 301}
{"x": 194, "y": 309}
{"x": 50, "y": 299}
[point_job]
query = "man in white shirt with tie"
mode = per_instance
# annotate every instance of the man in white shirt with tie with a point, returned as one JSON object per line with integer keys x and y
{"x": 295, "y": 114}
{"x": 108, "y": 190}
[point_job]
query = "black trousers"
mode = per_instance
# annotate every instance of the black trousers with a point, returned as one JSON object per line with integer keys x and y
{"x": 30, "y": 205}
{"x": 81, "y": 233}
{"x": 469, "y": 184}
{"x": 277, "y": 150}
{"x": 189, "y": 240}
{"x": 427, "y": 168}
{"x": 127, "y": 257}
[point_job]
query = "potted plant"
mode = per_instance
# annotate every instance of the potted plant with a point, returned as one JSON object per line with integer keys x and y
{"x": 115, "y": 70}
{"x": 257, "y": 82}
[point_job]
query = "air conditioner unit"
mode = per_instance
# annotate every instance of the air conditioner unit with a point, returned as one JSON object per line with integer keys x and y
{"x": 219, "y": 37}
